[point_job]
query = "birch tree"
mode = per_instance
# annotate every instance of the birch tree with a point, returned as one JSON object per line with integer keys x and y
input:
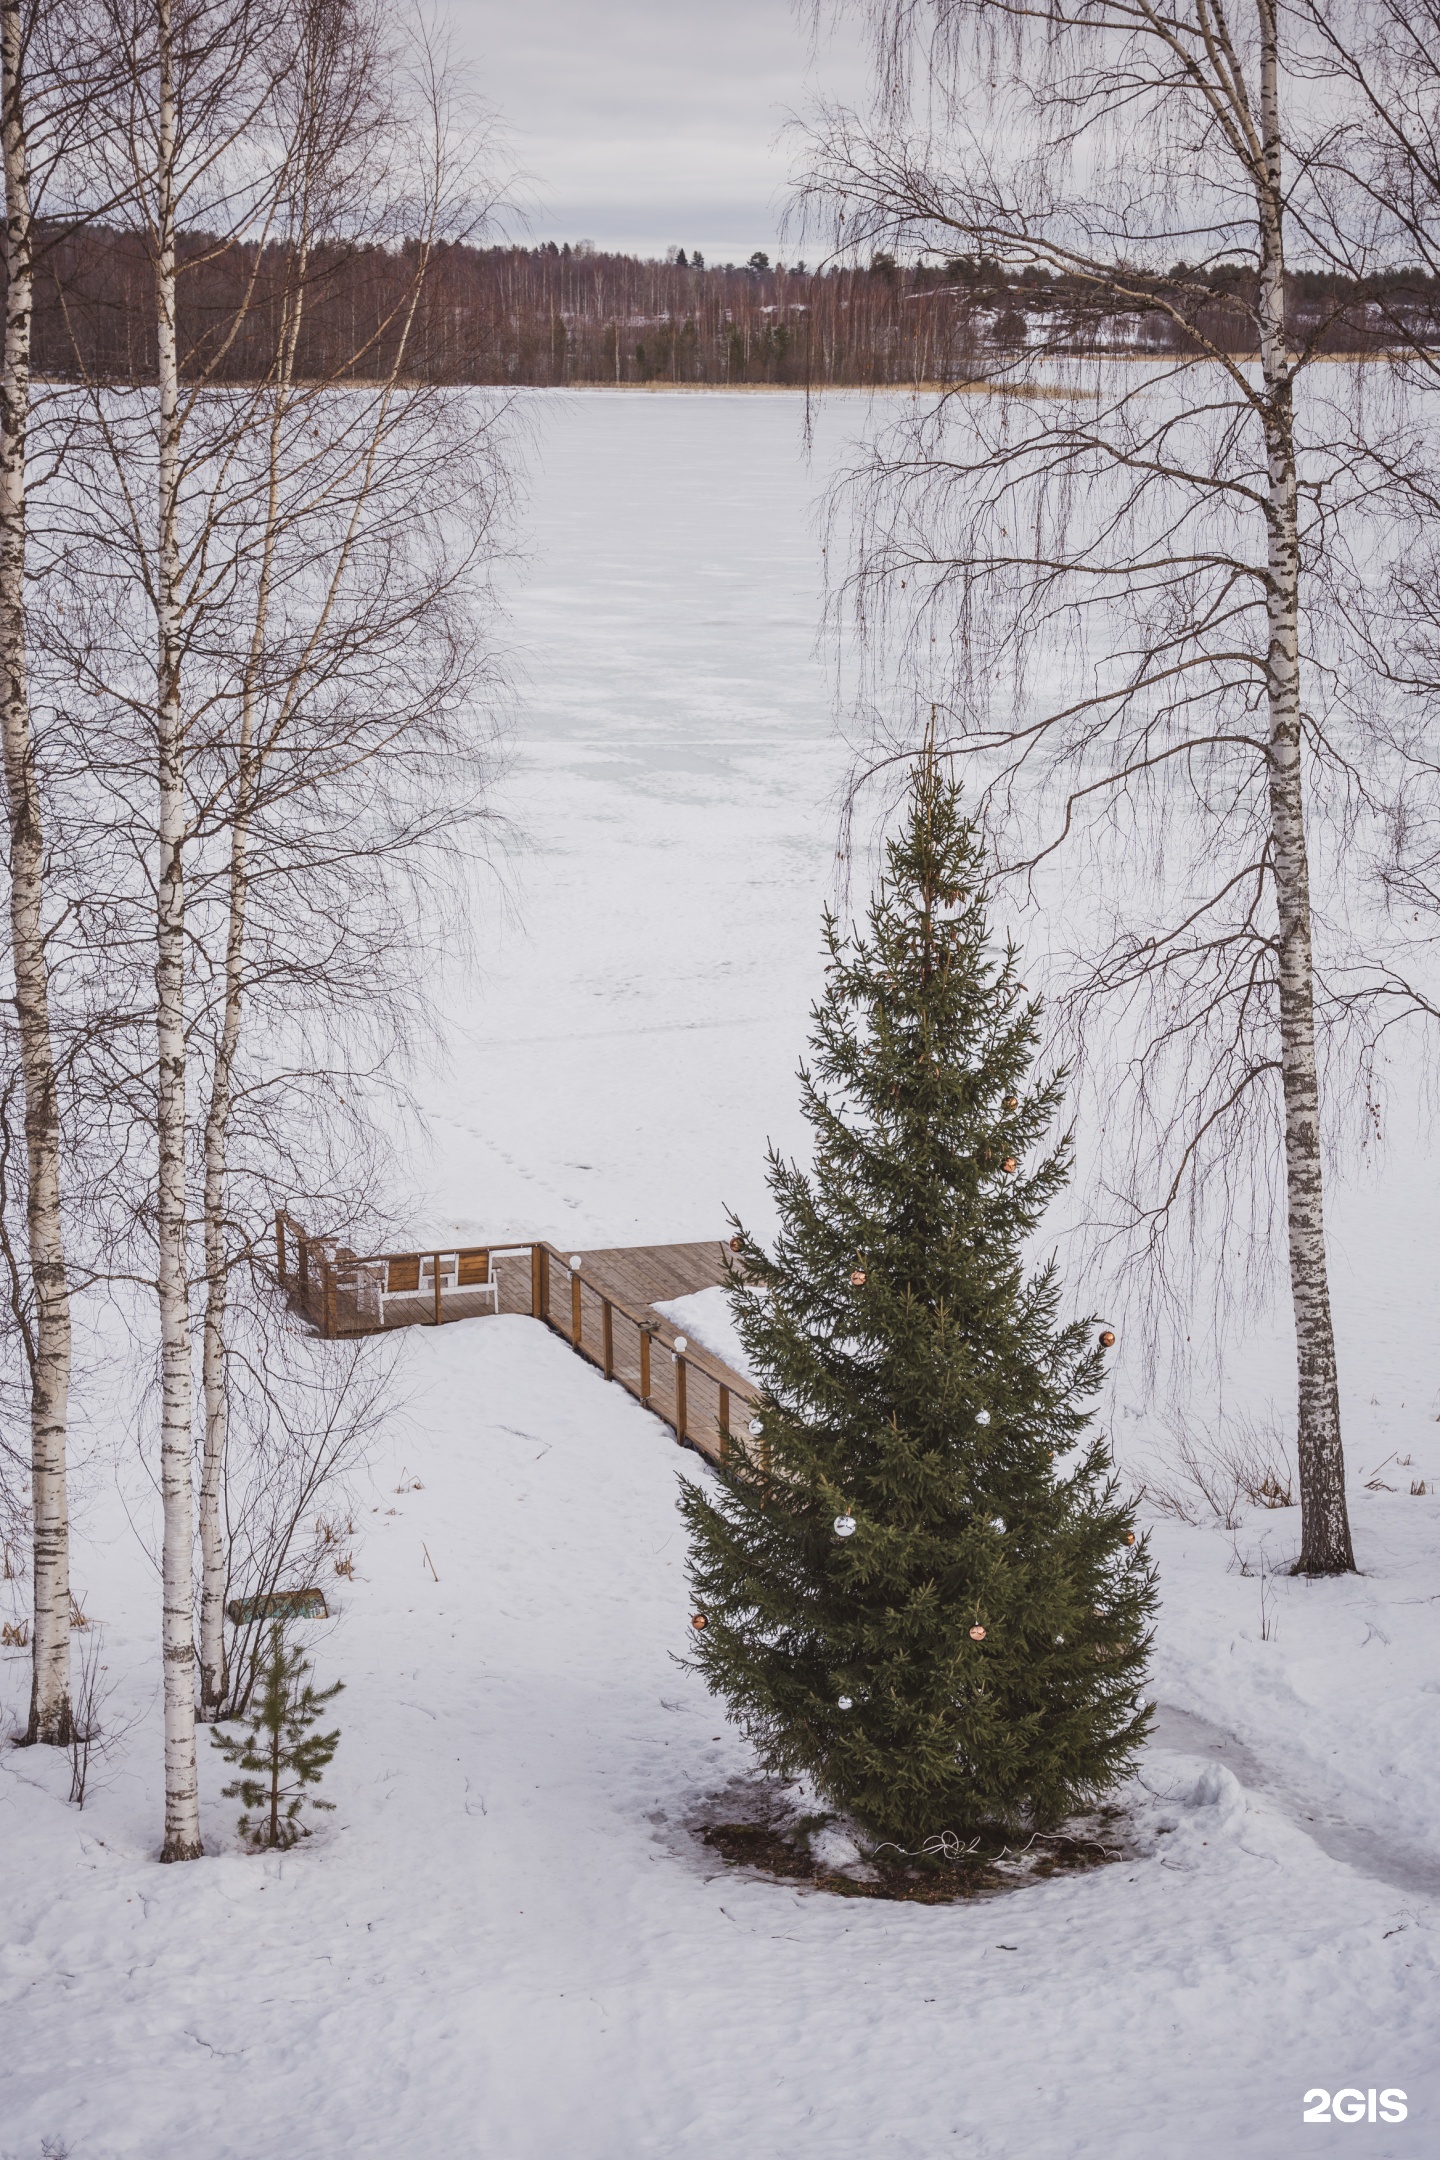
{"x": 360, "y": 741}
{"x": 1110, "y": 570}
{"x": 46, "y": 98}
{"x": 49, "y": 1335}
{"x": 1380, "y": 66}
{"x": 305, "y": 551}
{"x": 186, "y": 144}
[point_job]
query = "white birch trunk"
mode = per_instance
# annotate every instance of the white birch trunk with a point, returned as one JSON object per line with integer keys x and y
{"x": 182, "y": 1806}
{"x": 215, "y": 1559}
{"x": 49, "y": 1720}
{"x": 1325, "y": 1547}
{"x": 214, "y": 1552}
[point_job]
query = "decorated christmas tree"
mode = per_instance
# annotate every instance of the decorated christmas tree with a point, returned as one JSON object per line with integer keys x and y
{"x": 916, "y": 1581}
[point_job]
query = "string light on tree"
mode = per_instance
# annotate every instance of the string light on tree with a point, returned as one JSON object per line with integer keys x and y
{"x": 920, "y": 1084}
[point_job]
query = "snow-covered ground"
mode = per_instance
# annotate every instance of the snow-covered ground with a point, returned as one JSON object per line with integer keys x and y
{"x": 704, "y": 1316}
{"x": 506, "y": 1942}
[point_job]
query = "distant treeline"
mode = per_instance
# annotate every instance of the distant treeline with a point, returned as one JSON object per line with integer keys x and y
{"x": 554, "y": 315}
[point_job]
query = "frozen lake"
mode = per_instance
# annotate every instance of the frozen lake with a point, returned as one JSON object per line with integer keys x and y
{"x": 632, "y": 1042}
{"x": 642, "y": 1008}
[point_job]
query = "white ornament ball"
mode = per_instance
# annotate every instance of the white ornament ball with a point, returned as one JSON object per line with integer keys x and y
{"x": 682, "y": 1344}
{"x": 575, "y": 1263}
{"x": 845, "y": 1703}
{"x": 982, "y": 1417}
{"x": 756, "y": 1427}
{"x": 844, "y": 1526}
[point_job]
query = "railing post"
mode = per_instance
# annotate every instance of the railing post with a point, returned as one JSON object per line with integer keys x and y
{"x": 280, "y": 1245}
{"x": 679, "y": 1398}
{"x": 607, "y": 1337}
{"x": 542, "y": 1283}
{"x": 645, "y": 1364}
{"x": 535, "y": 1282}
{"x": 436, "y": 1257}
{"x": 575, "y": 1307}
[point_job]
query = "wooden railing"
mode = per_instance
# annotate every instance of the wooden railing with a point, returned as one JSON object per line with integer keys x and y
{"x": 696, "y": 1394}
{"x": 345, "y": 1293}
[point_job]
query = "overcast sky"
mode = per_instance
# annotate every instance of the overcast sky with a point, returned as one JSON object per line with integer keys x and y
{"x": 647, "y": 124}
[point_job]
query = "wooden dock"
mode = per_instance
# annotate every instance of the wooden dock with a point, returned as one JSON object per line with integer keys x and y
{"x": 603, "y": 1303}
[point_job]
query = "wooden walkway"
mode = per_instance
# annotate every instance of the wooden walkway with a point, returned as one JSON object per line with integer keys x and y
{"x": 603, "y": 1305}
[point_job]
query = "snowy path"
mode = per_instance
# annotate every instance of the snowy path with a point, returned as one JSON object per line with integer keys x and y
{"x": 1369, "y": 1849}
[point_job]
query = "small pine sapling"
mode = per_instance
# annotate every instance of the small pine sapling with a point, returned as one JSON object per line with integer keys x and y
{"x": 918, "y": 1584}
{"x": 278, "y": 1755}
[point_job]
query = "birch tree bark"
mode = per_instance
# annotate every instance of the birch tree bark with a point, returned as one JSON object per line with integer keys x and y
{"x": 50, "y": 1714}
{"x": 214, "y": 1552}
{"x": 182, "y": 1800}
{"x": 1325, "y": 1547}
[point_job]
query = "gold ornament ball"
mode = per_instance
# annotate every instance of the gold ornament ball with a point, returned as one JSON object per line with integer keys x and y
{"x": 1107, "y": 1340}
{"x": 857, "y": 1279}
{"x": 1012, "y": 1102}
{"x": 698, "y": 1620}
{"x": 977, "y": 1633}
{"x": 1010, "y": 1163}
{"x": 736, "y": 1244}
{"x": 1129, "y": 1537}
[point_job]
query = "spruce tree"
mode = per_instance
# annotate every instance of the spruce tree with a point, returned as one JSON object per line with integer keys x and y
{"x": 917, "y": 1582}
{"x": 278, "y": 1755}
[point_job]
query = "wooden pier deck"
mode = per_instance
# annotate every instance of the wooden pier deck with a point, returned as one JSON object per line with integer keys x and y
{"x": 604, "y": 1307}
